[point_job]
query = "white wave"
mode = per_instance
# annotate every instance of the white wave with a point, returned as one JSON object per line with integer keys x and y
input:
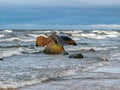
{"x": 76, "y": 34}
{"x": 15, "y": 85}
{"x": 35, "y": 50}
{"x": 68, "y": 73}
{"x": 107, "y": 32}
{"x": 91, "y": 35}
{"x": 102, "y": 26}
{"x": 96, "y": 34}
{"x": 8, "y": 31}
{"x": 10, "y": 39}
{"x": 75, "y": 38}
{"x": 10, "y": 52}
{"x": 36, "y": 35}
{"x": 2, "y": 35}
{"x": 108, "y": 69}
{"x": 94, "y": 66}
{"x": 76, "y": 48}
{"x": 27, "y": 39}
{"x": 7, "y": 87}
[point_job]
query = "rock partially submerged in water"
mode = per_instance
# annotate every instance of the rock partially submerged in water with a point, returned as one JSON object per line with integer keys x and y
{"x": 67, "y": 40}
{"x": 78, "y": 55}
{"x": 1, "y": 59}
{"x": 54, "y": 43}
{"x": 54, "y": 38}
{"x": 43, "y": 41}
{"x": 92, "y": 50}
{"x": 54, "y": 48}
{"x": 62, "y": 39}
{"x": 65, "y": 53}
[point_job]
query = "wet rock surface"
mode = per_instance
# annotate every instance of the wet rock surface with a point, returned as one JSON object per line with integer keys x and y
{"x": 54, "y": 49}
{"x": 78, "y": 55}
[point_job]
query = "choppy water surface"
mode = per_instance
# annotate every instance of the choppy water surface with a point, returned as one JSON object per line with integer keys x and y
{"x": 23, "y": 64}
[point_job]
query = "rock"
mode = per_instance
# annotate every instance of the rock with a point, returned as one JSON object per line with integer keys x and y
{"x": 62, "y": 39}
{"x": 65, "y": 53}
{"x": 1, "y": 59}
{"x": 54, "y": 48}
{"x": 79, "y": 55}
{"x": 43, "y": 41}
{"x": 92, "y": 50}
{"x": 67, "y": 40}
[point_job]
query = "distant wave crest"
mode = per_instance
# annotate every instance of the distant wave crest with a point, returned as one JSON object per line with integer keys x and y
{"x": 37, "y": 26}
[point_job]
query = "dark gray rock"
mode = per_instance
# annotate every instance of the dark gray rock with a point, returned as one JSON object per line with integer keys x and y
{"x": 1, "y": 59}
{"x": 79, "y": 55}
{"x": 65, "y": 53}
{"x": 92, "y": 50}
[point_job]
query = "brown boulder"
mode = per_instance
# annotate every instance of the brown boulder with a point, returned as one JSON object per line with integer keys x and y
{"x": 54, "y": 48}
{"x": 43, "y": 41}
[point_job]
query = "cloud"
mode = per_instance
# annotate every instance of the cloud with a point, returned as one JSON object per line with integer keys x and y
{"x": 61, "y": 3}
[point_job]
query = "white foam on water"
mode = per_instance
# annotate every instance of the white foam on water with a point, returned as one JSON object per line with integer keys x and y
{"x": 94, "y": 66}
{"x": 115, "y": 56}
{"x": 7, "y": 87}
{"x": 100, "y": 48}
{"x": 11, "y": 52}
{"x": 18, "y": 39}
{"x": 36, "y": 35}
{"x": 35, "y": 79}
{"x": 71, "y": 48}
{"x": 27, "y": 39}
{"x": 112, "y": 35}
{"x": 93, "y": 36}
{"x": 75, "y": 38}
{"x": 97, "y": 34}
{"x": 35, "y": 50}
{"x": 108, "y": 70}
{"x": 8, "y": 31}
{"x": 90, "y": 35}
{"x": 68, "y": 72}
{"x": 10, "y": 39}
{"x": 17, "y": 84}
{"x": 2, "y": 35}
{"x": 107, "y": 32}
{"x": 76, "y": 48}
{"x": 76, "y": 35}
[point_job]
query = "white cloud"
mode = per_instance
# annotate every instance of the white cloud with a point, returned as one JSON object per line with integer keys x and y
{"x": 80, "y": 3}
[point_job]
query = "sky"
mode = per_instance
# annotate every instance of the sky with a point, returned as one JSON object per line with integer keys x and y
{"x": 59, "y": 12}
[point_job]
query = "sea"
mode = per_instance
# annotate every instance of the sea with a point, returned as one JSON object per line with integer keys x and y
{"x": 23, "y": 65}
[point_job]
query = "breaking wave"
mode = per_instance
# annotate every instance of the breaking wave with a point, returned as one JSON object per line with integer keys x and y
{"x": 27, "y": 64}
{"x": 63, "y": 27}
{"x": 10, "y": 52}
{"x": 2, "y": 35}
{"x": 8, "y": 31}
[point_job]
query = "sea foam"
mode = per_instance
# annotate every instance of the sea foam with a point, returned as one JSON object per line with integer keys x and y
{"x": 11, "y": 52}
{"x": 8, "y": 31}
{"x": 2, "y": 35}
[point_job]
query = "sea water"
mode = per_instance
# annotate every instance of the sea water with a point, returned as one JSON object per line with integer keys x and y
{"x": 23, "y": 64}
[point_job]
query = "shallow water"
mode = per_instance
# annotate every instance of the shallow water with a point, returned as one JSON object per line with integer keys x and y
{"x": 23, "y": 64}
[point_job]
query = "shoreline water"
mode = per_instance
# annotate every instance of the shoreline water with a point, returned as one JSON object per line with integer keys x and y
{"x": 24, "y": 65}
{"x": 105, "y": 77}
{"x": 96, "y": 79}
